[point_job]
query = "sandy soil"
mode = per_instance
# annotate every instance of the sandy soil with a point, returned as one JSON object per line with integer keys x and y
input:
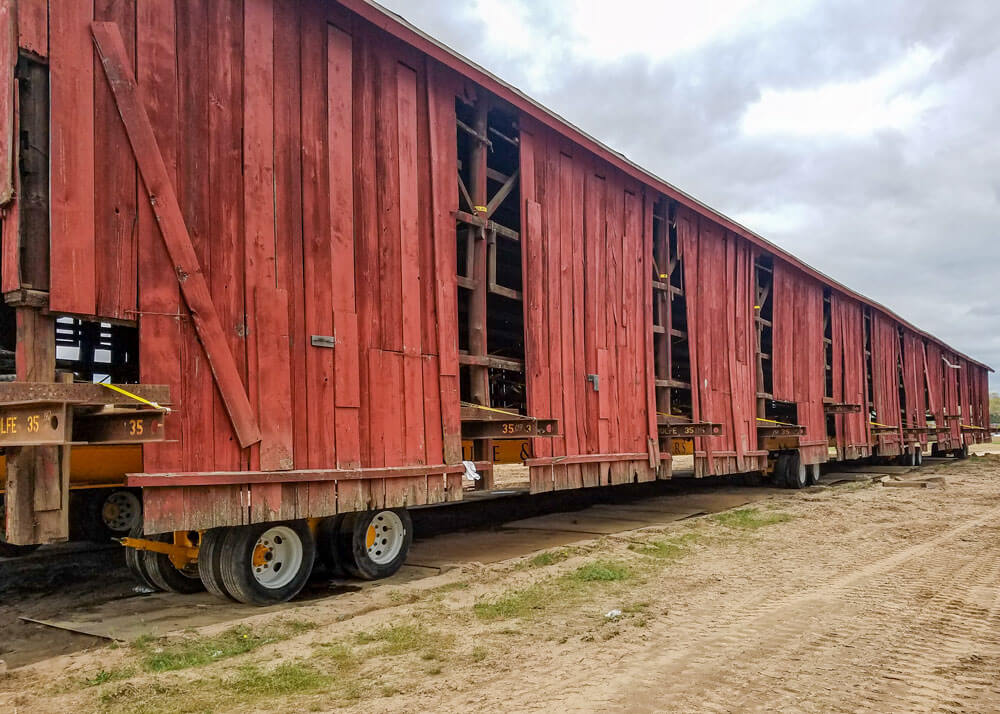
{"x": 847, "y": 598}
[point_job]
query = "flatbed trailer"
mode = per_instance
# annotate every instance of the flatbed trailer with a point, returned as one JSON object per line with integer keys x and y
{"x": 310, "y": 251}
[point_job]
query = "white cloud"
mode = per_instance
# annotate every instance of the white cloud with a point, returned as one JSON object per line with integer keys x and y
{"x": 891, "y": 99}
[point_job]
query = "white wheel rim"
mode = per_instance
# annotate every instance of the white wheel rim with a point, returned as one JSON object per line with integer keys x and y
{"x": 121, "y": 511}
{"x": 276, "y": 557}
{"x": 384, "y": 537}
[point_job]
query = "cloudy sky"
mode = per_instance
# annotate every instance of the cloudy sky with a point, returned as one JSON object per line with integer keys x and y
{"x": 862, "y": 136}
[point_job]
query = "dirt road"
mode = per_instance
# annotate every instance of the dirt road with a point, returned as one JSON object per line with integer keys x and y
{"x": 845, "y": 598}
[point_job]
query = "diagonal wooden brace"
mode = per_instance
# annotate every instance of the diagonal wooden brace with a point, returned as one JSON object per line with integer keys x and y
{"x": 194, "y": 287}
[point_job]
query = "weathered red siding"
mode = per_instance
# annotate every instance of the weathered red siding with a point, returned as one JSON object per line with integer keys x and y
{"x": 718, "y": 273}
{"x": 587, "y": 226}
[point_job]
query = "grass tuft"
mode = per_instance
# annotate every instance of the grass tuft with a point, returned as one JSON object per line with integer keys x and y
{"x": 192, "y": 651}
{"x": 749, "y": 518}
{"x": 667, "y": 549}
{"x": 548, "y": 557}
{"x": 601, "y": 571}
{"x": 287, "y": 678}
{"x": 114, "y": 675}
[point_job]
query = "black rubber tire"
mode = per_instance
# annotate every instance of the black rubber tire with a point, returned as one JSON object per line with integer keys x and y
{"x": 812, "y": 474}
{"x": 918, "y": 457}
{"x": 165, "y": 574}
{"x": 328, "y": 545}
{"x": 137, "y": 564}
{"x": 210, "y": 562}
{"x": 792, "y": 471}
{"x": 237, "y": 564}
{"x": 92, "y": 523}
{"x": 962, "y": 453}
{"x": 359, "y": 564}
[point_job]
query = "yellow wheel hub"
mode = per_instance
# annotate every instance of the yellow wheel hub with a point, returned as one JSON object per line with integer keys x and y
{"x": 260, "y": 555}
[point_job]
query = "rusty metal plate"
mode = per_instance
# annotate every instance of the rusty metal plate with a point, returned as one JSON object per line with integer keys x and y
{"x": 681, "y": 447}
{"x": 842, "y": 408}
{"x": 509, "y": 429}
{"x": 771, "y": 431}
{"x": 138, "y": 426}
{"x": 35, "y": 424}
{"x": 690, "y": 430}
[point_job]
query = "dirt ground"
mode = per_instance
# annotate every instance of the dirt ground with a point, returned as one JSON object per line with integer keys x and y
{"x": 852, "y": 597}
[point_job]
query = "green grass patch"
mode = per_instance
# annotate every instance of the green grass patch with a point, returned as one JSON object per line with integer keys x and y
{"x": 562, "y": 590}
{"x": 668, "y": 548}
{"x": 160, "y": 655}
{"x": 401, "y": 639}
{"x": 450, "y": 587}
{"x": 548, "y": 557}
{"x": 749, "y": 518}
{"x": 600, "y": 571}
{"x": 285, "y": 679}
{"x": 109, "y": 675}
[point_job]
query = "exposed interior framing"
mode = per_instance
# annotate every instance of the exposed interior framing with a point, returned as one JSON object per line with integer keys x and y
{"x": 831, "y": 420}
{"x": 671, "y": 350}
{"x": 869, "y": 405}
{"x": 490, "y": 290}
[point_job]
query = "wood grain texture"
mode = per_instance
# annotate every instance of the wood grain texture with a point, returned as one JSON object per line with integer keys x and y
{"x": 175, "y": 234}
{"x": 73, "y": 278}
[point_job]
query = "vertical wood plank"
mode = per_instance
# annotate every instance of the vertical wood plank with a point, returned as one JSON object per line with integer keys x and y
{"x": 192, "y": 193}
{"x": 410, "y": 276}
{"x": 33, "y": 26}
{"x": 318, "y": 256}
{"x": 390, "y": 259}
{"x": 433, "y": 438}
{"x": 274, "y": 387}
{"x": 443, "y": 158}
{"x": 288, "y": 206}
{"x": 161, "y": 320}
{"x": 115, "y": 187}
{"x": 258, "y": 206}
{"x": 8, "y": 98}
{"x": 73, "y": 285}
{"x": 226, "y": 275}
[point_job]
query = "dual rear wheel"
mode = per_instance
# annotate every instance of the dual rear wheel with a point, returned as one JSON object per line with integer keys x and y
{"x": 790, "y": 472}
{"x": 267, "y": 563}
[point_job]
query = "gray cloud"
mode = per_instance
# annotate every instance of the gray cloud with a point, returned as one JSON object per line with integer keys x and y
{"x": 909, "y": 217}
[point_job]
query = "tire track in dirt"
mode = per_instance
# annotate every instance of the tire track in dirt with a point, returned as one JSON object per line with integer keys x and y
{"x": 901, "y": 630}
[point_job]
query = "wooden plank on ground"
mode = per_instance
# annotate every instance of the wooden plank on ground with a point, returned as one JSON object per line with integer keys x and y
{"x": 175, "y": 234}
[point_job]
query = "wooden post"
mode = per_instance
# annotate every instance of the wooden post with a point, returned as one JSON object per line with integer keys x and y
{"x": 37, "y": 478}
{"x": 479, "y": 376}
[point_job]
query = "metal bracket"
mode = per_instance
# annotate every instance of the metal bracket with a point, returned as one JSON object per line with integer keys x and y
{"x": 328, "y": 341}
{"x": 595, "y": 380}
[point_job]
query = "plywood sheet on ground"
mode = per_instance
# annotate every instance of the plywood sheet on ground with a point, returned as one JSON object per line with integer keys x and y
{"x": 607, "y": 518}
{"x": 487, "y": 546}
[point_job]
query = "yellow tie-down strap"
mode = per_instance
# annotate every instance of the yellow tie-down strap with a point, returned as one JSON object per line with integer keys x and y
{"x": 136, "y": 397}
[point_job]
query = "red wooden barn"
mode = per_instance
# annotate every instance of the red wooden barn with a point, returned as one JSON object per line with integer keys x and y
{"x": 336, "y": 248}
